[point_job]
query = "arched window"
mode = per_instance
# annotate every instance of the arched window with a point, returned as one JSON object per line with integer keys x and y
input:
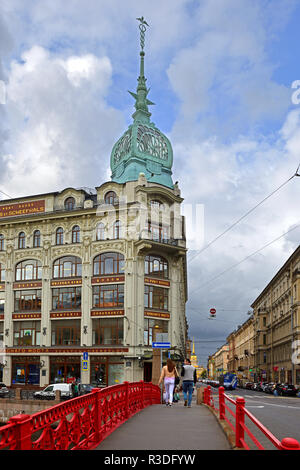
{"x": 59, "y": 239}
{"x": 1, "y": 242}
{"x": 2, "y": 273}
{"x": 117, "y": 230}
{"x": 111, "y": 198}
{"x": 37, "y": 239}
{"x": 100, "y": 231}
{"x": 108, "y": 263}
{"x": 21, "y": 240}
{"x": 70, "y": 204}
{"x": 156, "y": 205}
{"x": 67, "y": 266}
{"x": 157, "y": 266}
{"x": 29, "y": 270}
{"x": 75, "y": 234}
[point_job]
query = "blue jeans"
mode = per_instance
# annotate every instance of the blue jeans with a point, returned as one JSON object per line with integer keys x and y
{"x": 187, "y": 388}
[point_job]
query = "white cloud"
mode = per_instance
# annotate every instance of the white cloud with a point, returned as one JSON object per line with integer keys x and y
{"x": 63, "y": 129}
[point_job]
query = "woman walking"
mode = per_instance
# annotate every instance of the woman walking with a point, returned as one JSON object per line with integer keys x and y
{"x": 168, "y": 374}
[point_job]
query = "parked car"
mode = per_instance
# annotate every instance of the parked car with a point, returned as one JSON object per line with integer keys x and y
{"x": 49, "y": 392}
{"x": 270, "y": 387}
{"x": 4, "y": 392}
{"x": 260, "y": 386}
{"x": 86, "y": 388}
{"x": 249, "y": 385}
{"x": 286, "y": 389}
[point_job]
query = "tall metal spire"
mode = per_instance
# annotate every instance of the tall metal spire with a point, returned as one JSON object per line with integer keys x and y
{"x": 141, "y": 101}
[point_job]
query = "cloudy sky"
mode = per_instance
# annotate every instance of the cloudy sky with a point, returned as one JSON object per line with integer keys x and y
{"x": 221, "y": 74}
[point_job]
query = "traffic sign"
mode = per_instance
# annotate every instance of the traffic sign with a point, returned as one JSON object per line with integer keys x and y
{"x": 85, "y": 365}
{"x": 85, "y": 356}
{"x": 213, "y": 311}
{"x": 161, "y": 345}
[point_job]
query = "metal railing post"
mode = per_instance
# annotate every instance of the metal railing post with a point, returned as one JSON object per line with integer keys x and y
{"x": 23, "y": 429}
{"x": 127, "y": 399}
{"x": 221, "y": 403}
{"x": 239, "y": 421}
{"x": 98, "y": 414}
{"x": 208, "y": 395}
{"x": 143, "y": 393}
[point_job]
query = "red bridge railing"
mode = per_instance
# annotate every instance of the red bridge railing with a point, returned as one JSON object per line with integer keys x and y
{"x": 79, "y": 423}
{"x": 238, "y": 425}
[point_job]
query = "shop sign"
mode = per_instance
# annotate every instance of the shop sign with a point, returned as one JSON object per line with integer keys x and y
{"x": 22, "y": 208}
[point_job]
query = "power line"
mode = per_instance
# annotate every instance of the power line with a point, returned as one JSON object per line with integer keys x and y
{"x": 247, "y": 257}
{"x": 10, "y": 197}
{"x": 245, "y": 215}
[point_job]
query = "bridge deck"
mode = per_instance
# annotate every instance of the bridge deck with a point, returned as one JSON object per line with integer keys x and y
{"x": 159, "y": 427}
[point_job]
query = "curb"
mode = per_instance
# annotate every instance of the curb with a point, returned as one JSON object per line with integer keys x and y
{"x": 225, "y": 428}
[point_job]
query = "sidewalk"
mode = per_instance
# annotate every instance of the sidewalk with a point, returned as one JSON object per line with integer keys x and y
{"x": 159, "y": 427}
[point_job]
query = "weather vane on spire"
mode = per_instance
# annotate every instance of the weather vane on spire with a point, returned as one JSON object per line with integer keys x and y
{"x": 142, "y": 26}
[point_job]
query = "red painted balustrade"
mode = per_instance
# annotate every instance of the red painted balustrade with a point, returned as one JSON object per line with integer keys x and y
{"x": 79, "y": 423}
{"x": 236, "y": 420}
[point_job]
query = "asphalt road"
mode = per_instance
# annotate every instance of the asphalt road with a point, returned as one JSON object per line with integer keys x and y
{"x": 280, "y": 415}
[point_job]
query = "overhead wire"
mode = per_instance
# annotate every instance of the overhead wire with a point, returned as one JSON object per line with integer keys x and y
{"x": 246, "y": 258}
{"x": 245, "y": 215}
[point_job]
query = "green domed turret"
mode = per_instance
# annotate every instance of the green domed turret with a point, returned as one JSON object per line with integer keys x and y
{"x": 143, "y": 148}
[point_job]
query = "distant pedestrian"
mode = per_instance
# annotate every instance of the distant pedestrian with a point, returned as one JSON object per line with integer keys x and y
{"x": 168, "y": 374}
{"x": 189, "y": 376}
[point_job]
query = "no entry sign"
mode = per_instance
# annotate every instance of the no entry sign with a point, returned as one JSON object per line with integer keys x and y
{"x": 213, "y": 311}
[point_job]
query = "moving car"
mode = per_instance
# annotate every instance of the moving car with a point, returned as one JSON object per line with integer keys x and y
{"x": 49, "y": 392}
{"x": 4, "y": 392}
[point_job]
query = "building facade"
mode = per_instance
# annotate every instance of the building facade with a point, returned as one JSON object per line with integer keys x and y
{"x": 241, "y": 351}
{"x": 277, "y": 325}
{"x": 86, "y": 276}
{"x": 221, "y": 357}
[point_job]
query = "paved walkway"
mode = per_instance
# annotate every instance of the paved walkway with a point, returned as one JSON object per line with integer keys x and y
{"x": 159, "y": 427}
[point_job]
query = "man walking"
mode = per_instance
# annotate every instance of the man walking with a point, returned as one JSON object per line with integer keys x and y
{"x": 189, "y": 375}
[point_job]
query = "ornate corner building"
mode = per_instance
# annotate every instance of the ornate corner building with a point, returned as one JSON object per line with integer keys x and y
{"x": 87, "y": 276}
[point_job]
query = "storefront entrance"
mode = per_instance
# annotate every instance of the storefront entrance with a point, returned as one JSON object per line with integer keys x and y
{"x": 147, "y": 371}
{"x": 106, "y": 371}
{"x": 26, "y": 371}
{"x": 64, "y": 369}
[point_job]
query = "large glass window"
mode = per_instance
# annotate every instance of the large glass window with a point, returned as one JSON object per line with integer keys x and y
{"x": 149, "y": 328}
{"x": 66, "y": 298}
{"x": 65, "y": 332}
{"x": 158, "y": 233}
{"x": 156, "y": 297}
{"x": 111, "y": 295}
{"x": 67, "y": 266}
{"x": 1, "y": 242}
{"x": 59, "y": 239}
{"x": 100, "y": 231}
{"x": 111, "y": 198}
{"x": 117, "y": 230}
{"x": 76, "y": 234}
{"x": 27, "y": 333}
{"x": 156, "y": 266}
{"x": 21, "y": 240}
{"x": 70, "y": 204}
{"x": 29, "y": 270}
{"x": 2, "y": 273}
{"x": 107, "y": 331}
{"x": 37, "y": 239}
{"x": 109, "y": 263}
{"x": 28, "y": 300}
{"x": 26, "y": 371}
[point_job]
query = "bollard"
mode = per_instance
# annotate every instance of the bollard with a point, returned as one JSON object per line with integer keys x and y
{"x": 288, "y": 443}
{"x": 221, "y": 403}
{"x": 239, "y": 421}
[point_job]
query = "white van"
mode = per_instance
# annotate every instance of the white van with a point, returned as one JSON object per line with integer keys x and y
{"x": 49, "y": 392}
